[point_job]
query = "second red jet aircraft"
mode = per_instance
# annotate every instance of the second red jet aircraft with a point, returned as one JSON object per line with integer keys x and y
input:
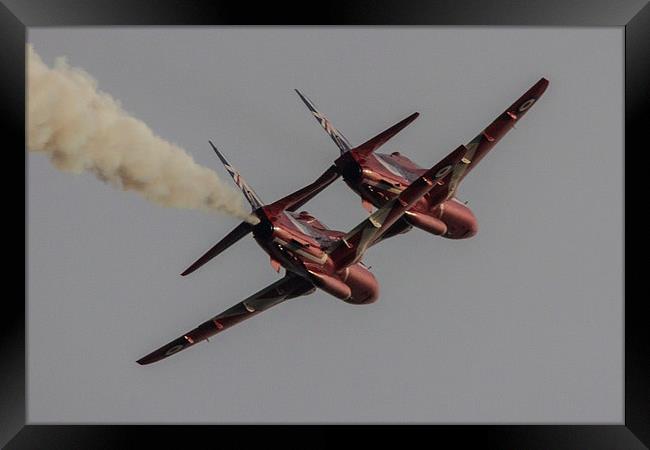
{"x": 378, "y": 177}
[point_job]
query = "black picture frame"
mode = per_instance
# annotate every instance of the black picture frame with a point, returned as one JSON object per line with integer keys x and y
{"x": 634, "y": 15}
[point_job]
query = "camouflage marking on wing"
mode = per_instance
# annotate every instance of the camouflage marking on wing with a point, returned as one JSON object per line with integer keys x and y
{"x": 290, "y": 286}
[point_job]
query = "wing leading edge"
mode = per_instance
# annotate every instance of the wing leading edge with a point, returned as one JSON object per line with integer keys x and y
{"x": 290, "y": 286}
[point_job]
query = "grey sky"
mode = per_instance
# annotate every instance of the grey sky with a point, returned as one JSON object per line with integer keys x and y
{"x": 522, "y": 323}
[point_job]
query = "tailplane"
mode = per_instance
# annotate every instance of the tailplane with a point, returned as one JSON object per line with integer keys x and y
{"x": 239, "y": 232}
{"x": 373, "y": 144}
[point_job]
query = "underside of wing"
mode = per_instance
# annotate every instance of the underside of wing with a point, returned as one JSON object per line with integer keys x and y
{"x": 290, "y": 286}
{"x": 492, "y": 134}
{"x": 481, "y": 144}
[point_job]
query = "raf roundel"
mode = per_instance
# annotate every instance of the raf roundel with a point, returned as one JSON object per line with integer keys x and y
{"x": 174, "y": 349}
{"x": 444, "y": 171}
{"x": 527, "y": 104}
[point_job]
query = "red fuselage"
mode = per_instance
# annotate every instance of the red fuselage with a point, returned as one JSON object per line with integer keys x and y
{"x": 378, "y": 177}
{"x": 299, "y": 242}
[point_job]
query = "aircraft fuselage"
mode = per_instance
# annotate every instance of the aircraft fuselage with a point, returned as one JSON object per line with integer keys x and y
{"x": 299, "y": 242}
{"x": 379, "y": 177}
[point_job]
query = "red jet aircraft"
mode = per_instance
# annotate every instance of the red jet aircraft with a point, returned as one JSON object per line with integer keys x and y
{"x": 317, "y": 257}
{"x": 378, "y": 177}
{"x": 313, "y": 255}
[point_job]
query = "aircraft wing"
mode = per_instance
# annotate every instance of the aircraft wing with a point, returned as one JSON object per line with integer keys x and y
{"x": 490, "y": 136}
{"x": 290, "y": 286}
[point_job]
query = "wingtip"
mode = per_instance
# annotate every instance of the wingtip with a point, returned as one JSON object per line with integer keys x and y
{"x": 189, "y": 270}
{"x": 304, "y": 98}
{"x": 145, "y": 360}
{"x": 411, "y": 118}
{"x": 540, "y": 87}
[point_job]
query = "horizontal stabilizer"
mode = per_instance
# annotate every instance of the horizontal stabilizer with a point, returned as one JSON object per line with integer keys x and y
{"x": 373, "y": 144}
{"x": 242, "y": 230}
{"x": 298, "y": 198}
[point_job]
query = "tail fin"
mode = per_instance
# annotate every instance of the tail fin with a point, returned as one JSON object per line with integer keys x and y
{"x": 335, "y": 134}
{"x": 340, "y": 140}
{"x": 373, "y": 144}
{"x": 249, "y": 193}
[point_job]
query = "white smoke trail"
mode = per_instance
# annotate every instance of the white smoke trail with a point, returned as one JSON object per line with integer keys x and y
{"x": 83, "y": 129}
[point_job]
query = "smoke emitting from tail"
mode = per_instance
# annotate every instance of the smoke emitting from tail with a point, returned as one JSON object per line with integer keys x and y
{"x": 83, "y": 129}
